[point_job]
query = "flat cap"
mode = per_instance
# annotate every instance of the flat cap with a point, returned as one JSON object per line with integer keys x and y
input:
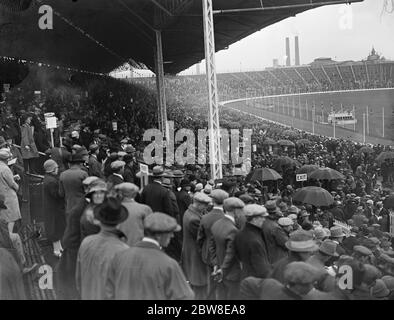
{"x": 300, "y": 273}
{"x": 247, "y": 199}
{"x": 292, "y": 216}
{"x": 232, "y": 203}
{"x": 254, "y": 210}
{"x": 219, "y": 195}
{"x": 87, "y": 181}
{"x": 201, "y": 198}
{"x": 293, "y": 209}
{"x": 117, "y": 164}
{"x": 127, "y": 189}
{"x": 362, "y": 250}
{"x": 122, "y": 153}
{"x": 161, "y": 222}
{"x": 93, "y": 147}
{"x": 285, "y": 222}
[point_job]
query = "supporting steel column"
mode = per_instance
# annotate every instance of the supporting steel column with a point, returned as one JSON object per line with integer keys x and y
{"x": 215, "y": 157}
{"x": 161, "y": 92}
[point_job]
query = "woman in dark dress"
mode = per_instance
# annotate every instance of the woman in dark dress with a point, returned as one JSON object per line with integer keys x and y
{"x": 54, "y": 208}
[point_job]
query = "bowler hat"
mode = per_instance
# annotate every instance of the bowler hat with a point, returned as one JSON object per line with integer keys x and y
{"x": 271, "y": 206}
{"x": 93, "y": 147}
{"x": 219, "y": 195}
{"x": 301, "y": 241}
{"x": 166, "y": 183}
{"x": 161, "y": 222}
{"x": 111, "y": 212}
{"x": 329, "y": 248}
{"x": 157, "y": 171}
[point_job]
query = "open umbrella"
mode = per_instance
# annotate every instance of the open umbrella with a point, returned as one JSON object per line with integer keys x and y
{"x": 303, "y": 142}
{"x": 308, "y": 169}
{"x": 286, "y": 143}
{"x": 366, "y": 149}
{"x": 269, "y": 142}
{"x": 283, "y": 162}
{"x": 265, "y": 174}
{"x": 385, "y": 155}
{"x": 326, "y": 174}
{"x": 315, "y": 196}
{"x": 389, "y": 202}
{"x": 289, "y": 133}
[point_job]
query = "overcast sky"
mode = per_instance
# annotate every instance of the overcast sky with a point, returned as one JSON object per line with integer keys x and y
{"x": 330, "y": 31}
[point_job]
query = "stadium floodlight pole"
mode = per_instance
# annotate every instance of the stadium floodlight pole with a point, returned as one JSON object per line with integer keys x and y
{"x": 354, "y": 116}
{"x": 213, "y": 117}
{"x": 160, "y": 83}
{"x": 367, "y": 120}
{"x": 299, "y": 102}
{"x": 313, "y": 118}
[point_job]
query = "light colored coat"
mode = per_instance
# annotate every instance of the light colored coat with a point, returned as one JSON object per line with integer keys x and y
{"x": 144, "y": 272}
{"x": 8, "y": 187}
{"x": 28, "y": 140}
{"x": 133, "y": 227}
{"x": 94, "y": 257}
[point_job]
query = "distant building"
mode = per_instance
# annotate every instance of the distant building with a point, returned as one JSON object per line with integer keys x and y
{"x": 374, "y": 56}
{"x": 322, "y": 61}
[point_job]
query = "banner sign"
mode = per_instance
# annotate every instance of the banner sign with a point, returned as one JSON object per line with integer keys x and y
{"x": 144, "y": 168}
{"x": 50, "y": 120}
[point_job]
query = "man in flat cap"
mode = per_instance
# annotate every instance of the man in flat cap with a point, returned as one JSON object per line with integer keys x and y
{"x": 301, "y": 246}
{"x": 204, "y": 230}
{"x": 133, "y": 226}
{"x": 145, "y": 272}
{"x": 195, "y": 269}
{"x": 155, "y": 195}
{"x": 116, "y": 177}
{"x": 95, "y": 166}
{"x": 97, "y": 251}
{"x": 70, "y": 181}
{"x": 227, "y": 266}
{"x": 249, "y": 245}
{"x": 271, "y": 231}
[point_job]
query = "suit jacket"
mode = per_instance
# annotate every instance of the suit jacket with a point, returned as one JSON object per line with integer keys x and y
{"x": 193, "y": 265}
{"x": 222, "y": 248}
{"x": 205, "y": 235}
{"x": 95, "y": 167}
{"x": 156, "y": 196}
{"x": 273, "y": 236}
{"x": 250, "y": 249}
{"x": 114, "y": 180}
{"x": 71, "y": 187}
{"x": 154, "y": 275}
{"x": 184, "y": 200}
{"x": 129, "y": 174}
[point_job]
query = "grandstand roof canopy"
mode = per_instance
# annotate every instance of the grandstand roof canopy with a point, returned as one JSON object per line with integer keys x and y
{"x": 100, "y": 35}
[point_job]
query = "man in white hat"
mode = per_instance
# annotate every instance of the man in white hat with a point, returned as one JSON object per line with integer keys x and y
{"x": 145, "y": 272}
{"x": 249, "y": 245}
{"x": 133, "y": 226}
{"x": 227, "y": 266}
{"x": 195, "y": 269}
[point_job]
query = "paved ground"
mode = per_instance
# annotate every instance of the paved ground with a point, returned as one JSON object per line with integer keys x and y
{"x": 322, "y": 129}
